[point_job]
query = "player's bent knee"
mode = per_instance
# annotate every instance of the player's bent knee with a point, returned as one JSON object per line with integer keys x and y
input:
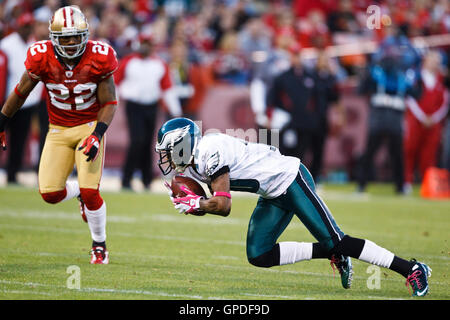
{"x": 267, "y": 259}
{"x": 54, "y": 197}
{"x": 91, "y": 198}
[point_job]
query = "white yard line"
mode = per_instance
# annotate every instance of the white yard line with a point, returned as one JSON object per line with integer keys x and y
{"x": 103, "y": 290}
{"x": 122, "y": 234}
{"x": 27, "y": 292}
{"x": 60, "y": 215}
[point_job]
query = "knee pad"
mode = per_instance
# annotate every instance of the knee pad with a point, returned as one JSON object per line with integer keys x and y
{"x": 54, "y": 197}
{"x": 267, "y": 259}
{"x": 91, "y": 198}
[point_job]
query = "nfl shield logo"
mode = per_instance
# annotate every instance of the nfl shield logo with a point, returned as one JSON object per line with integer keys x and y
{"x": 69, "y": 74}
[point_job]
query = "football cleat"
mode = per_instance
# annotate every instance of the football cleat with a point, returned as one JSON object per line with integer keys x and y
{"x": 344, "y": 266}
{"x": 82, "y": 207}
{"x": 99, "y": 255}
{"x": 418, "y": 278}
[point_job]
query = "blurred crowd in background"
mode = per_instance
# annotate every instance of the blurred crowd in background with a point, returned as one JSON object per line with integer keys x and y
{"x": 254, "y": 43}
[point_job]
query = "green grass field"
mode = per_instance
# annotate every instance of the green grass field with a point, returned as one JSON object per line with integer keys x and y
{"x": 156, "y": 253}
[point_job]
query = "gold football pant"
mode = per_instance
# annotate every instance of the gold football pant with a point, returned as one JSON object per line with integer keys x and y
{"x": 59, "y": 155}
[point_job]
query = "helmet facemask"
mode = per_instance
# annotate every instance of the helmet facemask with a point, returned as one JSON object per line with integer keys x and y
{"x": 61, "y": 49}
{"x": 69, "y": 21}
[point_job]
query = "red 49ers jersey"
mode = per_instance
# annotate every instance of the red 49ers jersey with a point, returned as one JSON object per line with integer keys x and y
{"x": 72, "y": 94}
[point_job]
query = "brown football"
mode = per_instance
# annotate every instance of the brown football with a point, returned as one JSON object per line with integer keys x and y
{"x": 191, "y": 184}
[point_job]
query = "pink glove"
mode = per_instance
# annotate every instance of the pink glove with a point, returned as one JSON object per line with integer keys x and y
{"x": 189, "y": 204}
{"x": 169, "y": 191}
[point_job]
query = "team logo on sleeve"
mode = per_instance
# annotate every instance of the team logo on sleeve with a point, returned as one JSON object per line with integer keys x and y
{"x": 212, "y": 163}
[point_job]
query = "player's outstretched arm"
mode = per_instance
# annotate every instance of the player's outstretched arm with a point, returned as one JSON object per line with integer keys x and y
{"x": 17, "y": 98}
{"x": 13, "y": 103}
{"x": 106, "y": 95}
{"x": 220, "y": 203}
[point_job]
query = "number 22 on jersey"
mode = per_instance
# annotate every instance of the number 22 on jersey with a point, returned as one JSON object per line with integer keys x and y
{"x": 81, "y": 96}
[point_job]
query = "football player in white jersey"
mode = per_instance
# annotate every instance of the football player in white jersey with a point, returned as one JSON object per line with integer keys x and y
{"x": 286, "y": 188}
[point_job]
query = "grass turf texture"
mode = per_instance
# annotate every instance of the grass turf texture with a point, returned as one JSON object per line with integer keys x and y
{"x": 156, "y": 253}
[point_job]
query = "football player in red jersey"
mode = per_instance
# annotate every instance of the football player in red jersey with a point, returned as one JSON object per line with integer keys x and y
{"x": 81, "y": 103}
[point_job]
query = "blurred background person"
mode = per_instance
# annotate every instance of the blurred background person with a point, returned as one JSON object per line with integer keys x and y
{"x": 265, "y": 63}
{"x": 3, "y": 70}
{"x": 230, "y": 65}
{"x": 15, "y": 46}
{"x": 190, "y": 79}
{"x": 305, "y": 95}
{"x": 328, "y": 95}
{"x": 389, "y": 80}
{"x": 209, "y": 43}
{"x": 425, "y": 118}
{"x": 144, "y": 79}
{"x": 445, "y": 158}
{"x": 343, "y": 18}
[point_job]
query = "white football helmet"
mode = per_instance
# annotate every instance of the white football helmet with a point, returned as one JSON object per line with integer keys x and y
{"x": 69, "y": 21}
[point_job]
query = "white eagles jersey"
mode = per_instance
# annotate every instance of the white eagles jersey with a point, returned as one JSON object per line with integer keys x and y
{"x": 253, "y": 167}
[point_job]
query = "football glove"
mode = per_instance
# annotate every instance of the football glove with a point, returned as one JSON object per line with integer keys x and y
{"x": 91, "y": 145}
{"x": 169, "y": 191}
{"x": 189, "y": 204}
{"x": 3, "y": 140}
{"x": 3, "y": 120}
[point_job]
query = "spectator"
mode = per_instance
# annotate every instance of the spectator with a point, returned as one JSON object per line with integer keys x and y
{"x": 230, "y": 65}
{"x": 388, "y": 81}
{"x": 204, "y": 25}
{"x": 190, "y": 79}
{"x": 313, "y": 31}
{"x": 255, "y": 43}
{"x": 143, "y": 80}
{"x": 446, "y": 144}
{"x": 425, "y": 120}
{"x": 15, "y": 46}
{"x": 327, "y": 95}
{"x": 3, "y": 76}
{"x": 305, "y": 96}
{"x": 343, "y": 19}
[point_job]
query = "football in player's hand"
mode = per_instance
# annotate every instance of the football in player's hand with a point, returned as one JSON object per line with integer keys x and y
{"x": 191, "y": 184}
